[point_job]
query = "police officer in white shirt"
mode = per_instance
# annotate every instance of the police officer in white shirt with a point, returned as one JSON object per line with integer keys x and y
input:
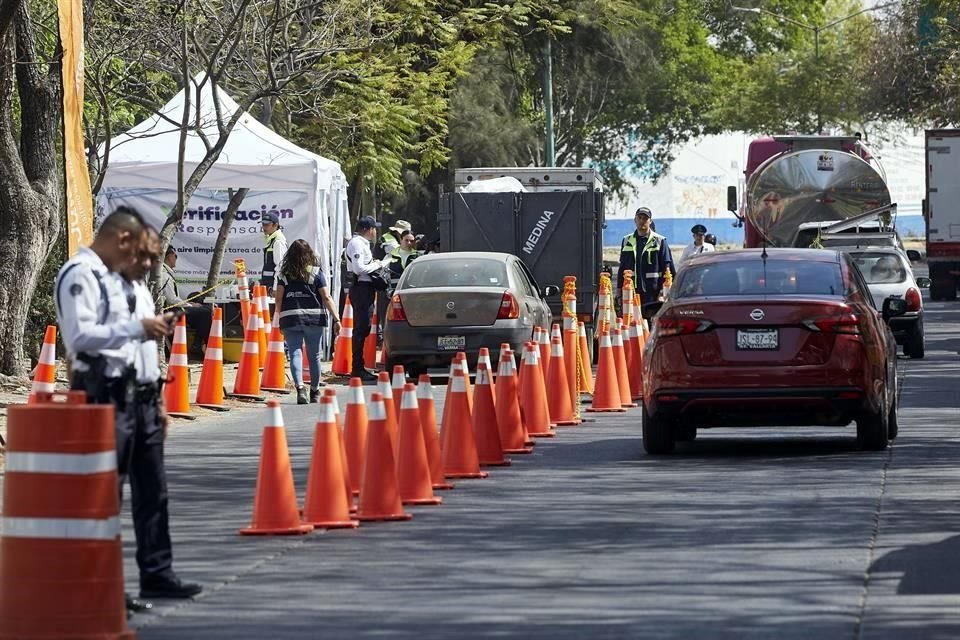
{"x": 360, "y": 264}
{"x": 698, "y": 245}
{"x": 148, "y": 478}
{"x": 98, "y": 328}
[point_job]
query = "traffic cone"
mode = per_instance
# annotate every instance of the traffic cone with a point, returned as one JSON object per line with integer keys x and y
{"x": 176, "y": 392}
{"x": 45, "y": 376}
{"x": 327, "y": 502}
{"x": 261, "y": 332}
{"x": 536, "y": 417}
{"x": 347, "y": 487}
{"x": 243, "y": 290}
{"x": 343, "y": 347}
{"x": 623, "y": 378}
{"x": 570, "y": 346}
{"x": 265, "y": 311}
{"x": 484, "y": 358}
{"x": 380, "y": 492}
{"x": 397, "y": 382}
{"x": 627, "y": 296}
{"x": 275, "y": 505}
{"x": 370, "y": 342}
{"x": 393, "y": 427}
{"x": 247, "y": 382}
{"x": 210, "y": 388}
{"x": 509, "y": 420}
{"x": 305, "y": 364}
{"x": 606, "y": 392}
{"x": 275, "y": 370}
{"x": 635, "y": 361}
{"x": 462, "y": 358}
{"x": 431, "y": 437}
{"x": 413, "y": 464}
{"x": 485, "y": 430}
{"x": 542, "y": 338}
{"x": 584, "y": 364}
{"x": 459, "y": 447}
{"x": 355, "y": 433}
{"x": 558, "y": 391}
{"x": 542, "y": 366}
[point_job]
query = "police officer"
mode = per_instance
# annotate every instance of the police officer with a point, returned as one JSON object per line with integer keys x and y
{"x": 360, "y": 264}
{"x": 199, "y": 316}
{"x": 274, "y": 248}
{"x": 391, "y": 239}
{"x": 699, "y": 244}
{"x": 148, "y": 479}
{"x": 99, "y": 331}
{"x": 646, "y": 253}
{"x": 400, "y": 257}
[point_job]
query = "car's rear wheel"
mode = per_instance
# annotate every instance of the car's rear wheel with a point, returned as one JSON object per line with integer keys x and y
{"x": 913, "y": 347}
{"x": 893, "y": 424}
{"x": 873, "y": 429}
{"x": 657, "y": 436}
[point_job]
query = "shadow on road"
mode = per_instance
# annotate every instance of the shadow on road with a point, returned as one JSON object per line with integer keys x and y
{"x": 927, "y": 569}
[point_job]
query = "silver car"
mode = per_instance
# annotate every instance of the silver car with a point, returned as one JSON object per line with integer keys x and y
{"x": 450, "y": 302}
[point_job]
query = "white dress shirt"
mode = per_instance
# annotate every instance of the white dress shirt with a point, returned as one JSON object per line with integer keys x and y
{"x": 693, "y": 250}
{"x": 279, "y": 250}
{"x": 94, "y": 314}
{"x": 146, "y": 359}
{"x": 360, "y": 259}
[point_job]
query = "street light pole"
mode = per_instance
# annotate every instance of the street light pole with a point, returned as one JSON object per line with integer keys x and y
{"x": 551, "y": 149}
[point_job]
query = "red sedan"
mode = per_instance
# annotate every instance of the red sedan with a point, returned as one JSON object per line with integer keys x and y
{"x": 783, "y": 337}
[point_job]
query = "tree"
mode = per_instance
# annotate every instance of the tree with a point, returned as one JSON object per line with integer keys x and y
{"x": 30, "y": 183}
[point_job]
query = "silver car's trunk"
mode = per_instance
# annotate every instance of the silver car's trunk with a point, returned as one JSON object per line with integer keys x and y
{"x": 452, "y": 306}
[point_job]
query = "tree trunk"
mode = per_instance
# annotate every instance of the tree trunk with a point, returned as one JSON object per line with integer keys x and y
{"x": 226, "y": 222}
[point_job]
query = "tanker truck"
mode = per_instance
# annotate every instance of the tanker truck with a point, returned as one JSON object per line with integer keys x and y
{"x": 801, "y": 190}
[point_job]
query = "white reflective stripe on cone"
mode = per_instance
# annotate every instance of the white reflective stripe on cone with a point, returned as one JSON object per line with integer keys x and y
{"x": 47, "y": 354}
{"x": 69, "y": 528}
{"x": 408, "y": 400}
{"x": 178, "y": 360}
{"x": 275, "y": 346}
{"x": 43, "y": 387}
{"x": 276, "y": 417}
{"x": 71, "y": 463}
{"x": 250, "y": 347}
{"x": 214, "y": 354}
{"x": 425, "y": 391}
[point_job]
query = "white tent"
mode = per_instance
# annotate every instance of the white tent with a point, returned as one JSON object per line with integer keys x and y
{"x": 308, "y": 191}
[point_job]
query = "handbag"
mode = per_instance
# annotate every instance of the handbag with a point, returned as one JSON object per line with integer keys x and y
{"x": 380, "y": 279}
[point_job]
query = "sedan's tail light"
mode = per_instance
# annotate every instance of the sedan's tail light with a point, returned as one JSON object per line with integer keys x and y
{"x": 847, "y": 323}
{"x": 913, "y": 300}
{"x": 672, "y": 326}
{"x": 509, "y": 308}
{"x": 395, "y": 311}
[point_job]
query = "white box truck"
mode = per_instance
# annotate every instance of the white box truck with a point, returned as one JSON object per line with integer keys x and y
{"x": 942, "y": 212}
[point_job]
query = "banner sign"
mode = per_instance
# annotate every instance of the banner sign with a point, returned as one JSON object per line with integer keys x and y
{"x": 79, "y": 207}
{"x": 197, "y": 234}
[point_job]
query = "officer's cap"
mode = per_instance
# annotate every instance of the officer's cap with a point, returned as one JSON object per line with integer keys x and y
{"x": 269, "y": 216}
{"x": 367, "y": 222}
{"x": 644, "y": 211}
{"x": 698, "y": 228}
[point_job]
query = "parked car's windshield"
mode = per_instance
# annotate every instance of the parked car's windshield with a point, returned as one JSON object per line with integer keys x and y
{"x": 754, "y": 276}
{"x": 879, "y": 267}
{"x": 455, "y": 272}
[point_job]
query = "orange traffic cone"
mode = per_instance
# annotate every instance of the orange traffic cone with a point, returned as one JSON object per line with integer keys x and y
{"x": 431, "y": 437}
{"x": 45, "y": 376}
{"x": 584, "y": 365}
{"x": 393, "y": 427}
{"x": 485, "y": 430}
{"x": 413, "y": 465}
{"x": 343, "y": 347}
{"x": 355, "y": 433}
{"x": 275, "y": 370}
{"x": 533, "y": 395}
{"x": 347, "y": 487}
{"x": 623, "y": 378}
{"x": 606, "y": 392}
{"x": 397, "y": 382}
{"x": 380, "y": 492}
{"x": 327, "y": 503}
{"x": 370, "y": 343}
{"x": 305, "y": 366}
{"x": 509, "y": 420}
{"x": 265, "y": 311}
{"x": 176, "y": 392}
{"x": 258, "y": 298}
{"x": 558, "y": 391}
{"x": 542, "y": 338}
{"x": 484, "y": 358}
{"x": 458, "y": 446}
{"x": 243, "y": 291}
{"x": 462, "y": 358}
{"x": 275, "y": 504}
{"x": 210, "y": 388}
{"x": 635, "y": 361}
{"x": 247, "y": 382}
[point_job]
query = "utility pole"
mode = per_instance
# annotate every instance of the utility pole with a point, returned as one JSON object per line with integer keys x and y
{"x": 551, "y": 149}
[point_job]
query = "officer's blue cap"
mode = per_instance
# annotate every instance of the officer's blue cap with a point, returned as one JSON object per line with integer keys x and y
{"x": 367, "y": 222}
{"x": 270, "y": 216}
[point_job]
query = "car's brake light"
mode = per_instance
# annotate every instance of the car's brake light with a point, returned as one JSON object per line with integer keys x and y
{"x": 913, "y": 300}
{"x": 395, "y": 311}
{"x": 847, "y": 323}
{"x": 672, "y": 326}
{"x": 509, "y": 308}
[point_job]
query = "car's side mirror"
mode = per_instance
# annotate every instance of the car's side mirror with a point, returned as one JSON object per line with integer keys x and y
{"x": 914, "y": 255}
{"x": 550, "y": 291}
{"x": 924, "y": 283}
{"x": 893, "y": 307}
{"x": 650, "y": 309}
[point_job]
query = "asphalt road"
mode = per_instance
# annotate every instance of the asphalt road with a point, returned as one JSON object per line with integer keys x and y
{"x": 759, "y": 533}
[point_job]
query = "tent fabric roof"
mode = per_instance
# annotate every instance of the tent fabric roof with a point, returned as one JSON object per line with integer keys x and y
{"x": 254, "y": 156}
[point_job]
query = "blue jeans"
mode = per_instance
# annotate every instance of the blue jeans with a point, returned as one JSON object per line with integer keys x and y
{"x": 296, "y": 338}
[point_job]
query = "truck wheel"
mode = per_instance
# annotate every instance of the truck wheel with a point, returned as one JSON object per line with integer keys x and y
{"x": 657, "y": 437}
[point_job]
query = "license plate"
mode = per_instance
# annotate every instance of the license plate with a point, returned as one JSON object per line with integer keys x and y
{"x": 759, "y": 339}
{"x": 451, "y": 343}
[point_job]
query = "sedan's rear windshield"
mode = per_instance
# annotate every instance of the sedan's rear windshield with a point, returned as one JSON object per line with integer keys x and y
{"x": 755, "y": 276}
{"x": 455, "y": 272}
{"x": 879, "y": 267}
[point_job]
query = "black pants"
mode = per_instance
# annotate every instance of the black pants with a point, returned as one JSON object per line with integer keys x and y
{"x": 148, "y": 486}
{"x": 199, "y": 318}
{"x": 112, "y": 391}
{"x": 361, "y": 297}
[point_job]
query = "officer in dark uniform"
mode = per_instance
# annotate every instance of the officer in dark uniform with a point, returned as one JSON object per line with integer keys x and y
{"x": 274, "y": 249}
{"x": 99, "y": 331}
{"x": 647, "y": 254}
{"x": 148, "y": 478}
